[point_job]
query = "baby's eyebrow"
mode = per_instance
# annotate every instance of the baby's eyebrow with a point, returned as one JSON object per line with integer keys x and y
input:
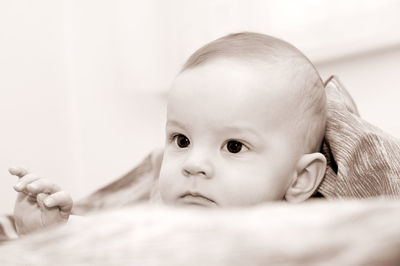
{"x": 241, "y": 129}
{"x": 175, "y": 123}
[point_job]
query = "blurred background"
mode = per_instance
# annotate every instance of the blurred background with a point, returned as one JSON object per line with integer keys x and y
{"x": 83, "y": 82}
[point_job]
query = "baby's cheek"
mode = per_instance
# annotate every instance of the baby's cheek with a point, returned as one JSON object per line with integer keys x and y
{"x": 167, "y": 186}
{"x": 231, "y": 193}
{"x": 247, "y": 188}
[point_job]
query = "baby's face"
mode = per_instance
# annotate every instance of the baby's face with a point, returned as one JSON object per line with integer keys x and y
{"x": 229, "y": 137}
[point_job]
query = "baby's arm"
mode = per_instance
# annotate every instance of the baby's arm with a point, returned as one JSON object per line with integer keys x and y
{"x": 39, "y": 204}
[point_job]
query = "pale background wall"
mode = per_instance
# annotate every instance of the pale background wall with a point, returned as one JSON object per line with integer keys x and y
{"x": 83, "y": 82}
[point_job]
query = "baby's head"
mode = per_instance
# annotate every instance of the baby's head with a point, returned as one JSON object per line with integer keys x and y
{"x": 245, "y": 122}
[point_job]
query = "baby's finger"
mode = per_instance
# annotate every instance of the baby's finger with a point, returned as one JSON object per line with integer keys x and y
{"x": 42, "y": 185}
{"x": 40, "y": 200}
{"x": 18, "y": 171}
{"x": 24, "y": 181}
{"x": 61, "y": 199}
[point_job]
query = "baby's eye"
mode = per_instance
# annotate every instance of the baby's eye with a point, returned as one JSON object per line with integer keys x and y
{"x": 181, "y": 140}
{"x": 234, "y": 146}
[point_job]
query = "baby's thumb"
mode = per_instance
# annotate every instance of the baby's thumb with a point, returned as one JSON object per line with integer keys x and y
{"x": 40, "y": 200}
{"x": 50, "y": 216}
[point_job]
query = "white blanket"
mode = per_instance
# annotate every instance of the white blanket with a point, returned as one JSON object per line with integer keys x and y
{"x": 365, "y": 232}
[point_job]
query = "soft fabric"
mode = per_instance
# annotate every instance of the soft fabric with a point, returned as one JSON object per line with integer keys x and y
{"x": 320, "y": 233}
{"x": 363, "y": 161}
{"x": 137, "y": 186}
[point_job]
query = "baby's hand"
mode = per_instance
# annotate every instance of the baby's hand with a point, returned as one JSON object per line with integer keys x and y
{"x": 39, "y": 204}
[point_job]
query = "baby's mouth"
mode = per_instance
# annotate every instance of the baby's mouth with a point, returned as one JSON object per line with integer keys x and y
{"x": 197, "y": 199}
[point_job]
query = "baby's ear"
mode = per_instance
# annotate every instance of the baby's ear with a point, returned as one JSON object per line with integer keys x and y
{"x": 309, "y": 173}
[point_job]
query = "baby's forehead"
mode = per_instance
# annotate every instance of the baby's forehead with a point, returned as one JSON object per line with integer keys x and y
{"x": 235, "y": 84}
{"x": 226, "y": 72}
{"x": 260, "y": 88}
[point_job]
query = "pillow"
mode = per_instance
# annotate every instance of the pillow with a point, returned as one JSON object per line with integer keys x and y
{"x": 363, "y": 161}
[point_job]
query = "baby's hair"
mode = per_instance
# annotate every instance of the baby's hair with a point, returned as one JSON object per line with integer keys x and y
{"x": 310, "y": 120}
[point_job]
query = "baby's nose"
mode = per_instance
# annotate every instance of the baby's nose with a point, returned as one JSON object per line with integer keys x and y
{"x": 198, "y": 164}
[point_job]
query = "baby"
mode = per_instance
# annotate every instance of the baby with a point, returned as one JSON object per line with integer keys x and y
{"x": 245, "y": 123}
